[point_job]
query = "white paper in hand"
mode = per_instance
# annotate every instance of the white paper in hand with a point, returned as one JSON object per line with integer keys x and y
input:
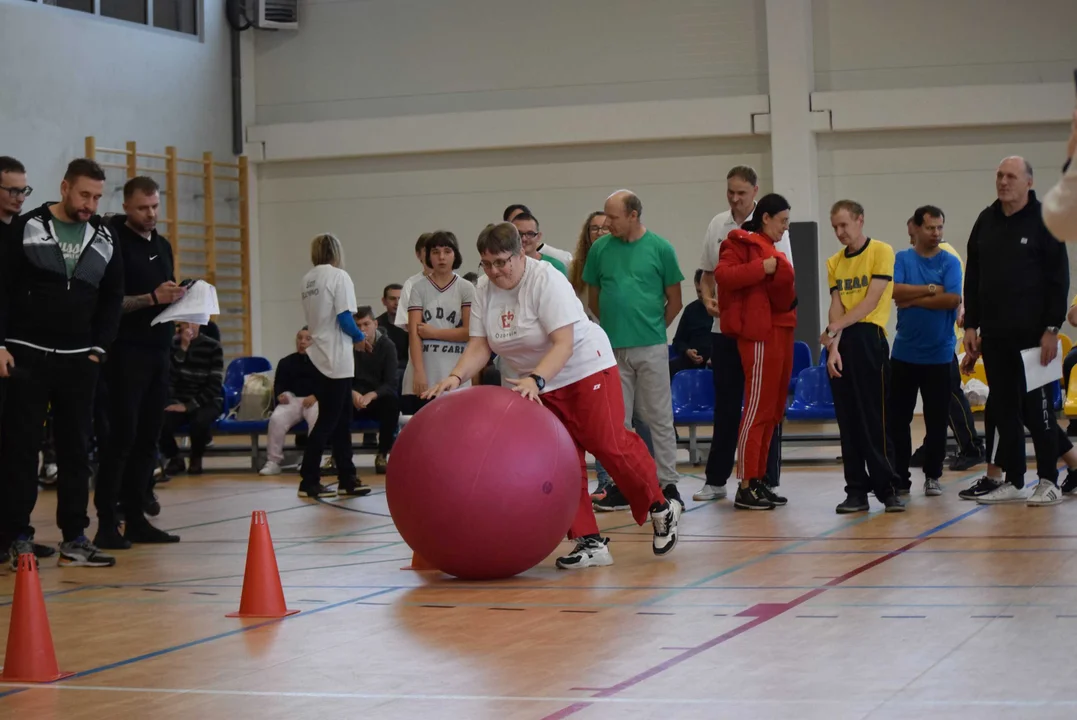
{"x": 196, "y": 306}
{"x": 1036, "y": 375}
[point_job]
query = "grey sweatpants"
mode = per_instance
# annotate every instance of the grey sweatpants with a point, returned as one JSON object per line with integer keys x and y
{"x": 645, "y": 385}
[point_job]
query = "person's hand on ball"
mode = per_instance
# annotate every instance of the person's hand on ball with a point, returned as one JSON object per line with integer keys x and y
{"x": 526, "y": 387}
{"x": 450, "y": 383}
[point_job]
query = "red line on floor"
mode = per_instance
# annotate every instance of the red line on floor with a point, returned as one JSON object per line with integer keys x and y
{"x": 761, "y": 613}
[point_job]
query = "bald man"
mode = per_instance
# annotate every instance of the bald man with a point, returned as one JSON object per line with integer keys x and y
{"x": 635, "y": 291}
{"x": 1016, "y": 282}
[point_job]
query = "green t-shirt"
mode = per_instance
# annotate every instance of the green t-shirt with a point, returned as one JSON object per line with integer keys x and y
{"x": 555, "y": 262}
{"x": 631, "y": 279}
{"x": 70, "y": 235}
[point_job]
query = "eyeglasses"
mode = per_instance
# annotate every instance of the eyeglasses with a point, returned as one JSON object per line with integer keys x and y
{"x": 529, "y": 235}
{"x": 15, "y": 192}
{"x": 597, "y": 229}
{"x": 496, "y": 264}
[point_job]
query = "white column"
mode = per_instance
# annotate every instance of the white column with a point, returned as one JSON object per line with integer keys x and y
{"x": 791, "y": 70}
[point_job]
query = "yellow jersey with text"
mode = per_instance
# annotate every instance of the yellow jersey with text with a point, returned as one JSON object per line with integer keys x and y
{"x": 851, "y": 274}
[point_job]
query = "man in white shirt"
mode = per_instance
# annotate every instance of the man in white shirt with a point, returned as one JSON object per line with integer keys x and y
{"x": 742, "y": 186}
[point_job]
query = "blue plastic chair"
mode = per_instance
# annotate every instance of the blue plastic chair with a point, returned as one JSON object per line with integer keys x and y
{"x": 672, "y": 352}
{"x": 693, "y": 404}
{"x": 813, "y": 400}
{"x": 234, "y": 374}
{"x": 801, "y": 361}
{"x": 1055, "y": 391}
{"x": 822, "y": 357}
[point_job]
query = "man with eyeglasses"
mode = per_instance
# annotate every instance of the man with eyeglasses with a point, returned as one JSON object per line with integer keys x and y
{"x": 514, "y": 211}
{"x": 531, "y": 239}
{"x": 13, "y": 193}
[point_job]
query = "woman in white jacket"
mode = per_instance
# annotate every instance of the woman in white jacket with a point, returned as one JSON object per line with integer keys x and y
{"x": 1060, "y": 202}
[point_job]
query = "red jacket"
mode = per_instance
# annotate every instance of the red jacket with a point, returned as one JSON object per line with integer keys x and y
{"x": 750, "y": 302}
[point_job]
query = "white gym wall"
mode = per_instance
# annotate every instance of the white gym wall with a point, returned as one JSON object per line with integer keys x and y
{"x": 381, "y": 119}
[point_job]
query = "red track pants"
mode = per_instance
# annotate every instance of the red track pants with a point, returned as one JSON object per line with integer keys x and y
{"x": 593, "y": 411}
{"x": 768, "y": 366}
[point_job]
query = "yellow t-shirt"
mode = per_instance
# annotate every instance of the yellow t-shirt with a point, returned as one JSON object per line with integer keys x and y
{"x": 851, "y": 275}
{"x": 958, "y": 332}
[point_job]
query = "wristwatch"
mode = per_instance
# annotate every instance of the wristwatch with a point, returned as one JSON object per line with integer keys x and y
{"x": 1053, "y": 330}
{"x": 932, "y": 288}
{"x": 539, "y": 381}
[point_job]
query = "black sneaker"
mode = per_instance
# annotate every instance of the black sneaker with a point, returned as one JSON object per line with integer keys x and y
{"x": 175, "y": 467}
{"x": 353, "y": 489}
{"x": 672, "y": 494}
{"x": 767, "y": 491}
{"x": 108, "y": 537}
{"x": 603, "y": 487}
{"x": 892, "y": 503}
{"x": 752, "y": 498}
{"x": 614, "y": 500}
{"x": 42, "y": 551}
{"x": 140, "y": 531}
{"x": 853, "y": 504}
{"x": 967, "y": 461}
{"x": 903, "y": 490}
{"x": 22, "y": 546}
{"x": 315, "y": 491}
{"x": 917, "y": 458}
{"x": 1070, "y": 483}
{"x": 83, "y": 553}
{"x": 979, "y": 488}
{"x": 195, "y": 468}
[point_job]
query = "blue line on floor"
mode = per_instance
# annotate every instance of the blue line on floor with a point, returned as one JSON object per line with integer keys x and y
{"x": 211, "y": 638}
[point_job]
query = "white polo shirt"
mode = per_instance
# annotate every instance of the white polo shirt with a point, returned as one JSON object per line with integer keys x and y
{"x": 717, "y": 231}
{"x": 327, "y": 292}
{"x": 517, "y": 324}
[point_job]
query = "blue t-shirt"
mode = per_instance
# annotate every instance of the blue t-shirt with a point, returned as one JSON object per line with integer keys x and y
{"x": 926, "y": 337}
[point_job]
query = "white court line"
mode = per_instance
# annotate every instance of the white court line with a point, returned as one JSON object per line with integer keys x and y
{"x": 550, "y": 699}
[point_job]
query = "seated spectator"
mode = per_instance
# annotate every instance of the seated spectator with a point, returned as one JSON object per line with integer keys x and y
{"x": 390, "y": 298}
{"x": 196, "y": 377}
{"x": 293, "y": 389}
{"x": 692, "y": 341}
{"x": 374, "y": 394}
{"x": 472, "y": 277}
{"x": 531, "y": 237}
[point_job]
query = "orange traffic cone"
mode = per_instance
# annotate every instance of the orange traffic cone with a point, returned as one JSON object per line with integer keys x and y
{"x": 30, "y": 656}
{"x": 263, "y": 596}
{"x": 419, "y": 563}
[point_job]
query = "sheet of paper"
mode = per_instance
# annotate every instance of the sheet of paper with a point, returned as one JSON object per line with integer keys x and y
{"x": 1036, "y": 375}
{"x": 196, "y": 306}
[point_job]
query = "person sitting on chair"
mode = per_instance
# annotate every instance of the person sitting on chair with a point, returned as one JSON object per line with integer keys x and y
{"x": 293, "y": 390}
{"x": 195, "y": 398}
{"x": 374, "y": 387}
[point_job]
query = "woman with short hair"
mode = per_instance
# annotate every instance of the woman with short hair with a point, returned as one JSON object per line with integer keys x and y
{"x": 528, "y": 313}
{"x": 329, "y": 305}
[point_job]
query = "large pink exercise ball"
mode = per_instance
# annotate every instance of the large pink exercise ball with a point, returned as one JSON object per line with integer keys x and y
{"x": 483, "y": 484}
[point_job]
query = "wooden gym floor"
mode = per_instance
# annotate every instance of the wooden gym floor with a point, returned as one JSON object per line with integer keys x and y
{"x": 951, "y": 610}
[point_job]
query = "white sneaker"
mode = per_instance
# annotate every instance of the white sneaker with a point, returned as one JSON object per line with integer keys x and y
{"x": 1046, "y": 493}
{"x": 271, "y": 468}
{"x": 664, "y": 523}
{"x": 1004, "y": 493}
{"x": 589, "y": 552}
{"x": 710, "y": 492}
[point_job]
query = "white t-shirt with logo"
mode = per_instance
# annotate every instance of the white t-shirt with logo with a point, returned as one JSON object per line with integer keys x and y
{"x": 717, "y": 231}
{"x": 517, "y": 324}
{"x": 327, "y": 292}
{"x": 443, "y": 308}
